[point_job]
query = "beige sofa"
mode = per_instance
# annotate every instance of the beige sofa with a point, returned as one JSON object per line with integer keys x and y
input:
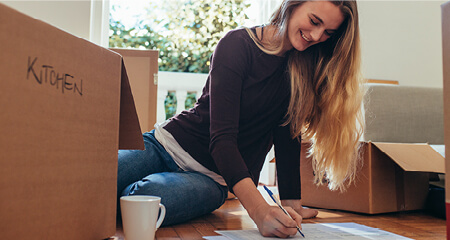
{"x": 404, "y": 114}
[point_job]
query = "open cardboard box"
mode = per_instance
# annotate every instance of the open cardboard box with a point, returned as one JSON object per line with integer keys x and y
{"x": 142, "y": 68}
{"x": 65, "y": 103}
{"x": 393, "y": 177}
{"x": 446, "y": 70}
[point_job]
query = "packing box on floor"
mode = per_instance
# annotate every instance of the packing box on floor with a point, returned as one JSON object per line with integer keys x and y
{"x": 142, "y": 69}
{"x": 393, "y": 177}
{"x": 446, "y": 69}
{"x": 65, "y": 102}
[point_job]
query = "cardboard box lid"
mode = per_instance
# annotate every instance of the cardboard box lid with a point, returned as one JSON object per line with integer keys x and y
{"x": 142, "y": 67}
{"x": 419, "y": 157}
{"x": 130, "y": 136}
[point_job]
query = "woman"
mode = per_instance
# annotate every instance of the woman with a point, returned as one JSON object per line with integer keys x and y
{"x": 295, "y": 77}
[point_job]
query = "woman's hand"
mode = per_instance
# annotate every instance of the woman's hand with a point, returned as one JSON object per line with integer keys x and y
{"x": 270, "y": 220}
{"x": 273, "y": 222}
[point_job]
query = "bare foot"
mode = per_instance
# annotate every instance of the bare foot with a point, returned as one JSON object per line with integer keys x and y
{"x": 308, "y": 213}
{"x": 297, "y": 206}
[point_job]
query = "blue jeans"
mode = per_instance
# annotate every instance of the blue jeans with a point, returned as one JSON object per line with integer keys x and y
{"x": 185, "y": 194}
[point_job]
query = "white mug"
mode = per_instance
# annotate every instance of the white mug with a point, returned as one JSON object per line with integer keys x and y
{"x": 140, "y": 216}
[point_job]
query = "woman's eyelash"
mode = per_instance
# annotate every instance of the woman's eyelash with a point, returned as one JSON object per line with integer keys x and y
{"x": 313, "y": 23}
{"x": 316, "y": 23}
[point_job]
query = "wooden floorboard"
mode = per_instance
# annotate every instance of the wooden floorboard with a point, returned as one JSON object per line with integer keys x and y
{"x": 232, "y": 216}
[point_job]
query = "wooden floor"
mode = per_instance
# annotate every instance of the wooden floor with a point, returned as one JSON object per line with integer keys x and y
{"x": 232, "y": 216}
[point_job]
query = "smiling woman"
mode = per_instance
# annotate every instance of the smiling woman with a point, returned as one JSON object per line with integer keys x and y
{"x": 322, "y": 68}
{"x": 263, "y": 89}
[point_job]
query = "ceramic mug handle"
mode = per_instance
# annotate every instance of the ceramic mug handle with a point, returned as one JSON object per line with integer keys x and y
{"x": 161, "y": 215}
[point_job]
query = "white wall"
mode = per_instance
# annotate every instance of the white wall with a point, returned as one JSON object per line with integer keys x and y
{"x": 401, "y": 40}
{"x": 71, "y": 16}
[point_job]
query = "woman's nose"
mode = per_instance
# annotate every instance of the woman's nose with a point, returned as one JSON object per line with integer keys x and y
{"x": 317, "y": 34}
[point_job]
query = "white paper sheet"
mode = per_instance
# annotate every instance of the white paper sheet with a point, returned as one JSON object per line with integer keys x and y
{"x": 440, "y": 149}
{"x": 331, "y": 231}
{"x": 216, "y": 238}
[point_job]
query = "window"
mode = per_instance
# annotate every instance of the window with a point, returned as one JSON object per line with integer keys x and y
{"x": 185, "y": 31}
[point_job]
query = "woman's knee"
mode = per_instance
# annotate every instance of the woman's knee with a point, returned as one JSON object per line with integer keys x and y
{"x": 186, "y": 195}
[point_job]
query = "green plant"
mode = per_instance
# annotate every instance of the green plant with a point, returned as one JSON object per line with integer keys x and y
{"x": 184, "y": 31}
{"x": 191, "y": 98}
{"x": 170, "y": 104}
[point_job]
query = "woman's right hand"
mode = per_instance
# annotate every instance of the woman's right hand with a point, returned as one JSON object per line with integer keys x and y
{"x": 273, "y": 222}
{"x": 270, "y": 220}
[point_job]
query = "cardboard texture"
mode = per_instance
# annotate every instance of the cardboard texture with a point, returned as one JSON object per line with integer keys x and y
{"x": 445, "y": 8}
{"x": 392, "y": 178}
{"x": 60, "y": 98}
{"x": 130, "y": 136}
{"x": 142, "y": 68}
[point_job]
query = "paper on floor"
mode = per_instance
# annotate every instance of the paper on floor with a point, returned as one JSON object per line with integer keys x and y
{"x": 329, "y": 231}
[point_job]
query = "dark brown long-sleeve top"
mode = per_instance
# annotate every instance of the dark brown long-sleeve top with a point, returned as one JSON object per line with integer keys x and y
{"x": 239, "y": 115}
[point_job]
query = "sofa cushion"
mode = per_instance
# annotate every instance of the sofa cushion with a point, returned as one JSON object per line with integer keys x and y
{"x": 403, "y": 114}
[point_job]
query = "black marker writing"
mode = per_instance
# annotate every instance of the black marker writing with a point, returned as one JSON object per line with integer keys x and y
{"x": 46, "y": 74}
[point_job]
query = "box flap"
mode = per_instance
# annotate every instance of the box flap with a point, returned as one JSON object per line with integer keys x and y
{"x": 419, "y": 157}
{"x": 130, "y": 135}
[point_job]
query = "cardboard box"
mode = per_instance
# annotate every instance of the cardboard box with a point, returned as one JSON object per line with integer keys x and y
{"x": 393, "y": 177}
{"x": 446, "y": 68}
{"x": 65, "y": 102}
{"x": 142, "y": 69}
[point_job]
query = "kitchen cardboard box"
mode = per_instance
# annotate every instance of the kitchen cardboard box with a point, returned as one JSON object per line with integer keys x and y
{"x": 142, "y": 69}
{"x": 446, "y": 68}
{"x": 65, "y": 103}
{"x": 392, "y": 177}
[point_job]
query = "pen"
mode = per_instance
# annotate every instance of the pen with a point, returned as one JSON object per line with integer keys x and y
{"x": 282, "y": 208}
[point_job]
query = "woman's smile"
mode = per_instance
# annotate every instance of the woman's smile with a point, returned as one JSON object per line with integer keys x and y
{"x": 304, "y": 37}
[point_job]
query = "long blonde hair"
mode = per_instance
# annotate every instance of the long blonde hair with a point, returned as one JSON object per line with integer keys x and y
{"x": 326, "y": 94}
